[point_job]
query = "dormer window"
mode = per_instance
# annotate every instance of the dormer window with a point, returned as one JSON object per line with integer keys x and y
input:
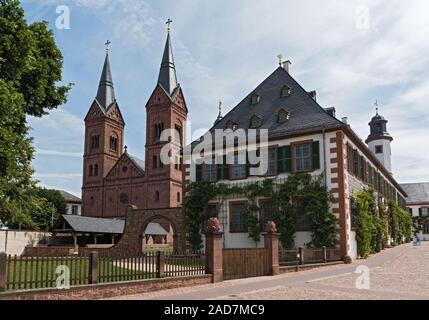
{"x": 231, "y": 125}
{"x": 255, "y": 121}
{"x": 285, "y": 91}
{"x": 255, "y": 99}
{"x": 283, "y": 115}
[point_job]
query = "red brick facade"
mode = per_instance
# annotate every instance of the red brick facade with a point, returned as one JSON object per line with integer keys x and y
{"x": 118, "y": 181}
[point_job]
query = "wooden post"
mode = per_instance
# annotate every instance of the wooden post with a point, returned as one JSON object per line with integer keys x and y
{"x": 113, "y": 239}
{"x": 301, "y": 255}
{"x": 160, "y": 264}
{"x": 271, "y": 240}
{"x": 325, "y": 255}
{"x": 93, "y": 267}
{"x": 214, "y": 251}
{"x": 3, "y": 270}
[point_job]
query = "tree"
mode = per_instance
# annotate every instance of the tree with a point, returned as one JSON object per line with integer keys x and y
{"x": 55, "y": 198}
{"x": 30, "y": 68}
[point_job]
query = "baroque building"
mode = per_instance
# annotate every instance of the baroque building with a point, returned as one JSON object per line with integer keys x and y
{"x": 302, "y": 137}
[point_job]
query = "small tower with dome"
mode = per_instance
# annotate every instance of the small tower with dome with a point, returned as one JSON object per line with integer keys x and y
{"x": 379, "y": 140}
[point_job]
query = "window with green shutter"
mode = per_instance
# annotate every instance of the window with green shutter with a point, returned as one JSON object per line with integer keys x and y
{"x": 284, "y": 159}
{"x": 198, "y": 172}
{"x": 315, "y": 149}
{"x": 223, "y": 170}
{"x": 348, "y": 156}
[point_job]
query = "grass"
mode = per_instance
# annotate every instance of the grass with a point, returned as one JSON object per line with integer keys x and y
{"x": 42, "y": 273}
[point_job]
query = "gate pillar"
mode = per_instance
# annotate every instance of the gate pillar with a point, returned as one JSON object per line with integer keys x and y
{"x": 271, "y": 240}
{"x": 214, "y": 246}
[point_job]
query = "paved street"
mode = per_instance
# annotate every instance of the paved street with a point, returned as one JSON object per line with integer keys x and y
{"x": 397, "y": 273}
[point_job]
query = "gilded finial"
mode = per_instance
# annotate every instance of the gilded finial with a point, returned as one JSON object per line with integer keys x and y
{"x": 168, "y": 23}
{"x": 107, "y": 45}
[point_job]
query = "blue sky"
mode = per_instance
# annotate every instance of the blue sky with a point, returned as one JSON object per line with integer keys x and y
{"x": 350, "y": 52}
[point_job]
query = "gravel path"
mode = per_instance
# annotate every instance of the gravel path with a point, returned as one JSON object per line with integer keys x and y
{"x": 397, "y": 273}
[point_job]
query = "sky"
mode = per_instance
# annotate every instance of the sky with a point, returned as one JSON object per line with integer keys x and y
{"x": 351, "y": 52}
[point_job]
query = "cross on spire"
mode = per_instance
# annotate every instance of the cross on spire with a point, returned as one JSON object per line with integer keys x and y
{"x": 168, "y": 23}
{"x": 107, "y": 45}
{"x": 376, "y": 106}
{"x": 220, "y": 106}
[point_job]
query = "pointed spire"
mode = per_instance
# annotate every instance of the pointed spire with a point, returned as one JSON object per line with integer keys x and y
{"x": 106, "y": 92}
{"x": 167, "y": 74}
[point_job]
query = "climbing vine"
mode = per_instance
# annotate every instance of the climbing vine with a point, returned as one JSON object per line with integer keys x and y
{"x": 316, "y": 202}
{"x": 376, "y": 223}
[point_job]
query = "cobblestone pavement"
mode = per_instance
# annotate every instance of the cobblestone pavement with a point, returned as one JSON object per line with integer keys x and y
{"x": 397, "y": 273}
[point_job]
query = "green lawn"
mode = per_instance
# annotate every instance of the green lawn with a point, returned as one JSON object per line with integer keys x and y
{"x": 31, "y": 274}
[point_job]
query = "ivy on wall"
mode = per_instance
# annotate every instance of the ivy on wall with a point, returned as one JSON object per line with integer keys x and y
{"x": 376, "y": 223}
{"x": 316, "y": 203}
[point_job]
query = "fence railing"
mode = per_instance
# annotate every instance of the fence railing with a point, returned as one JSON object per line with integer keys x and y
{"x": 301, "y": 256}
{"x": 36, "y": 272}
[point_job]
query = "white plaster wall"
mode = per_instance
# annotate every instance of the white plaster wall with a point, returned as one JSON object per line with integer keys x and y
{"x": 386, "y": 157}
{"x": 14, "y": 242}
{"x": 353, "y": 245}
{"x": 415, "y": 209}
{"x": 69, "y": 208}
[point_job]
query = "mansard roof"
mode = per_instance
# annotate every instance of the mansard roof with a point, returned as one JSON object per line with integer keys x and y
{"x": 305, "y": 113}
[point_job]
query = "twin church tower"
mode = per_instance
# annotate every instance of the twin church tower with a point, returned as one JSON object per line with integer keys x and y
{"x": 112, "y": 177}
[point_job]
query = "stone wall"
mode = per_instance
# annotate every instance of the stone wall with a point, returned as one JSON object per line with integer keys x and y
{"x": 100, "y": 291}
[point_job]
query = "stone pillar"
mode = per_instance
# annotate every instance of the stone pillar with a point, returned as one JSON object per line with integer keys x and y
{"x": 214, "y": 247}
{"x": 271, "y": 240}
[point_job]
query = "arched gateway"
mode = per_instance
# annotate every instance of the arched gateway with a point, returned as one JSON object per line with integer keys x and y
{"x": 136, "y": 223}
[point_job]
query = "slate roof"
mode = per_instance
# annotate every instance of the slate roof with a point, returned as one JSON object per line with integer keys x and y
{"x": 70, "y": 197}
{"x": 167, "y": 74}
{"x": 94, "y": 225}
{"x": 155, "y": 229}
{"x": 417, "y": 192}
{"x": 305, "y": 113}
{"x": 106, "y": 93}
{"x": 137, "y": 162}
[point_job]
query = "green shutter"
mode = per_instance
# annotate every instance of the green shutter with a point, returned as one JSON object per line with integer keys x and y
{"x": 225, "y": 169}
{"x": 280, "y": 159}
{"x": 288, "y": 159}
{"x": 315, "y": 149}
{"x": 348, "y": 156}
{"x": 198, "y": 172}
{"x": 247, "y": 165}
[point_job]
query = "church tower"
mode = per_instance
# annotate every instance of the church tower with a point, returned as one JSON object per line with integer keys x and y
{"x": 104, "y": 140}
{"x": 379, "y": 140}
{"x": 166, "y": 109}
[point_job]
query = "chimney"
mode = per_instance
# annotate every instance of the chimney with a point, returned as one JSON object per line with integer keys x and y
{"x": 331, "y": 111}
{"x": 344, "y": 120}
{"x": 313, "y": 94}
{"x": 286, "y": 65}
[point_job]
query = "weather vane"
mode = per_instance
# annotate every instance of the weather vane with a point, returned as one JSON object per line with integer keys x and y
{"x": 107, "y": 45}
{"x": 280, "y": 57}
{"x": 376, "y": 106}
{"x": 220, "y": 105}
{"x": 168, "y": 23}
